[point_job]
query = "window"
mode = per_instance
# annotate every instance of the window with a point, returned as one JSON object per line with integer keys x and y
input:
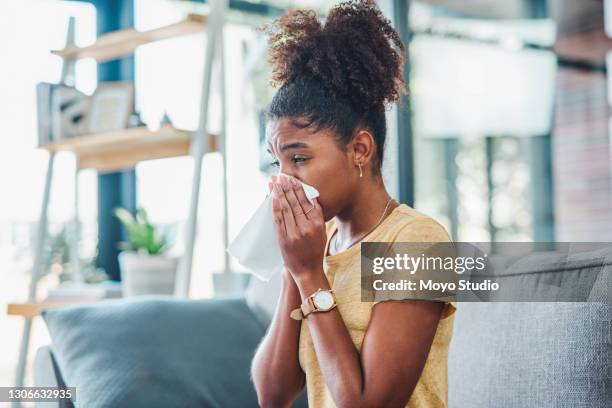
{"x": 168, "y": 81}
{"x": 26, "y": 61}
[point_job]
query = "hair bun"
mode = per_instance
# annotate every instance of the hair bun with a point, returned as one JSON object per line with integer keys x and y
{"x": 356, "y": 54}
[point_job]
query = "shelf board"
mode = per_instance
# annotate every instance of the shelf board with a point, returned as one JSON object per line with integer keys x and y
{"x": 121, "y": 43}
{"x": 29, "y": 310}
{"x": 112, "y": 151}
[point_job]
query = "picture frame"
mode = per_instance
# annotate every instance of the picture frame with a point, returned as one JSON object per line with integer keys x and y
{"x": 61, "y": 112}
{"x": 111, "y": 106}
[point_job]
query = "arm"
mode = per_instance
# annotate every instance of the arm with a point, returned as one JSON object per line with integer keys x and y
{"x": 393, "y": 353}
{"x": 276, "y": 371}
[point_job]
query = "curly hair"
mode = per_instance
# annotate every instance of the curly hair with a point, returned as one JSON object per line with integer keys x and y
{"x": 338, "y": 75}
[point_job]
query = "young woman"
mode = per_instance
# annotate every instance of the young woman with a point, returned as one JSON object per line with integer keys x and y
{"x": 326, "y": 127}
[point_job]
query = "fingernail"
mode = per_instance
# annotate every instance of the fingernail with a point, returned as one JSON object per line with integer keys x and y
{"x": 294, "y": 181}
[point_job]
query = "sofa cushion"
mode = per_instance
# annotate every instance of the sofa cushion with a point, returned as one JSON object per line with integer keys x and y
{"x": 539, "y": 354}
{"x": 157, "y": 352}
{"x": 531, "y": 355}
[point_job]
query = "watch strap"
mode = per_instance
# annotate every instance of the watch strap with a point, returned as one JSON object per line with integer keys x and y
{"x": 307, "y": 307}
{"x": 296, "y": 314}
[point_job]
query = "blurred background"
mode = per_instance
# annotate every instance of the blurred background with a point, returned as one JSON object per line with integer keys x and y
{"x": 505, "y": 134}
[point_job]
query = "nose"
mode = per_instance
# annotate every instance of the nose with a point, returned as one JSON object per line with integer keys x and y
{"x": 289, "y": 173}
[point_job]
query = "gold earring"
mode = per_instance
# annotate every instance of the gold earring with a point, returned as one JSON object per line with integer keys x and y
{"x": 360, "y": 170}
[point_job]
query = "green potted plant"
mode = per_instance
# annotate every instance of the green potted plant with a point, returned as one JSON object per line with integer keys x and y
{"x": 146, "y": 268}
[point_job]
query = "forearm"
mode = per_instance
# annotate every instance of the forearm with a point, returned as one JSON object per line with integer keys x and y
{"x": 338, "y": 358}
{"x": 276, "y": 372}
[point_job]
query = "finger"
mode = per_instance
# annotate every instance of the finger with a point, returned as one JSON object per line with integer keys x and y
{"x": 279, "y": 223}
{"x": 285, "y": 208}
{"x": 300, "y": 194}
{"x": 317, "y": 206}
{"x": 271, "y": 182}
{"x": 291, "y": 185}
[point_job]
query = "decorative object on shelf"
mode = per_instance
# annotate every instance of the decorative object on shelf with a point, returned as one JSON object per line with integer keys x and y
{"x": 135, "y": 120}
{"x": 145, "y": 267}
{"x": 69, "y": 112}
{"x": 111, "y": 107}
{"x": 165, "y": 120}
{"x": 62, "y": 112}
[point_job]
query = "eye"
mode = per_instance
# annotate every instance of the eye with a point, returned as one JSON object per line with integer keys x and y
{"x": 296, "y": 159}
{"x": 299, "y": 159}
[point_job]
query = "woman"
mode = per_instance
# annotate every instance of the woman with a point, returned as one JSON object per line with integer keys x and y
{"x": 326, "y": 127}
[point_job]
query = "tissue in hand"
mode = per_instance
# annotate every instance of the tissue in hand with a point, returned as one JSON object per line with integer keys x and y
{"x": 256, "y": 245}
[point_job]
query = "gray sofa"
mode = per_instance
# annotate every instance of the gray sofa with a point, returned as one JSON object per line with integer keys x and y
{"x": 546, "y": 354}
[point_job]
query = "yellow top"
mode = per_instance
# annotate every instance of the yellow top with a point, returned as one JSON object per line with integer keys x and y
{"x": 343, "y": 272}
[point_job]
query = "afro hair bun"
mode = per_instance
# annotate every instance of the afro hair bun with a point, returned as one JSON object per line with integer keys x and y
{"x": 356, "y": 54}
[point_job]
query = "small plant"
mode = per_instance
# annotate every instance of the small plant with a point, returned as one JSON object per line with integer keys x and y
{"x": 143, "y": 236}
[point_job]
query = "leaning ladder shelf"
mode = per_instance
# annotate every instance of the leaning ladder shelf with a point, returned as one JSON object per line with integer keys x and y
{"x": 121, "y": 43}
{"x": 112, "y": 151}
{"x": 126, "y": 148}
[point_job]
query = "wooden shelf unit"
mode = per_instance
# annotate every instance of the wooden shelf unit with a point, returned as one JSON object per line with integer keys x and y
{"x": 29, "y": 310}
{"x": 121, "y": 43}
{"x": 112, "y": 151}
{"x": 123, "y": 149}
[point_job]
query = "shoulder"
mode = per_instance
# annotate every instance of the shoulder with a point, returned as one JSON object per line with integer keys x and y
{"x": 411, "y": 225}
{"x": 405, "y": 224}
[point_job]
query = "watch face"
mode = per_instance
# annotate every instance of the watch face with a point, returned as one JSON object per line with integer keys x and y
{"x": 323, "y": 300}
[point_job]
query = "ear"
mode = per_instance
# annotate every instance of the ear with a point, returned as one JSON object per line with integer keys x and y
{"x": 364, "y": 147}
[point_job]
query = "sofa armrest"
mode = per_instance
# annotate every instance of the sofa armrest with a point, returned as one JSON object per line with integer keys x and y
{"x": 47, "y": 374}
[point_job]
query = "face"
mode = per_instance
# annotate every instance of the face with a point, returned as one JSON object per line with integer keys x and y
{"x": 315, "y": 158}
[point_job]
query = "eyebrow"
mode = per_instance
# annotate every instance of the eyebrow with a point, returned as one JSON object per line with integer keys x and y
{"x": 287, "y": 146}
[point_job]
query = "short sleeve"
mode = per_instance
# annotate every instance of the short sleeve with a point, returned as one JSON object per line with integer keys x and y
{"x": 449, "y": 309}
{"x": 427, "y": 230}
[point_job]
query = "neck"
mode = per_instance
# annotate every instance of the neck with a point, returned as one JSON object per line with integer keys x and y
{"x": 363, "y": 212}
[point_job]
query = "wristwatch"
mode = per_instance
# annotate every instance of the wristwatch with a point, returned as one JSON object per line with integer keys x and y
{"x": 323, "y": 300}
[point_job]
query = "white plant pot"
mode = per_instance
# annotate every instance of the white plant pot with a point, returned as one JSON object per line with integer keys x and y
{"x": 147, "y": 274}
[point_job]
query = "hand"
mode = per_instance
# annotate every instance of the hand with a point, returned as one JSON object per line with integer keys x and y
{"x": 301, "y": 236}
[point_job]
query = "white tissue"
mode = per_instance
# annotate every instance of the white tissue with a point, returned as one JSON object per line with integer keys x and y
{"x": 256, "y": 245}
